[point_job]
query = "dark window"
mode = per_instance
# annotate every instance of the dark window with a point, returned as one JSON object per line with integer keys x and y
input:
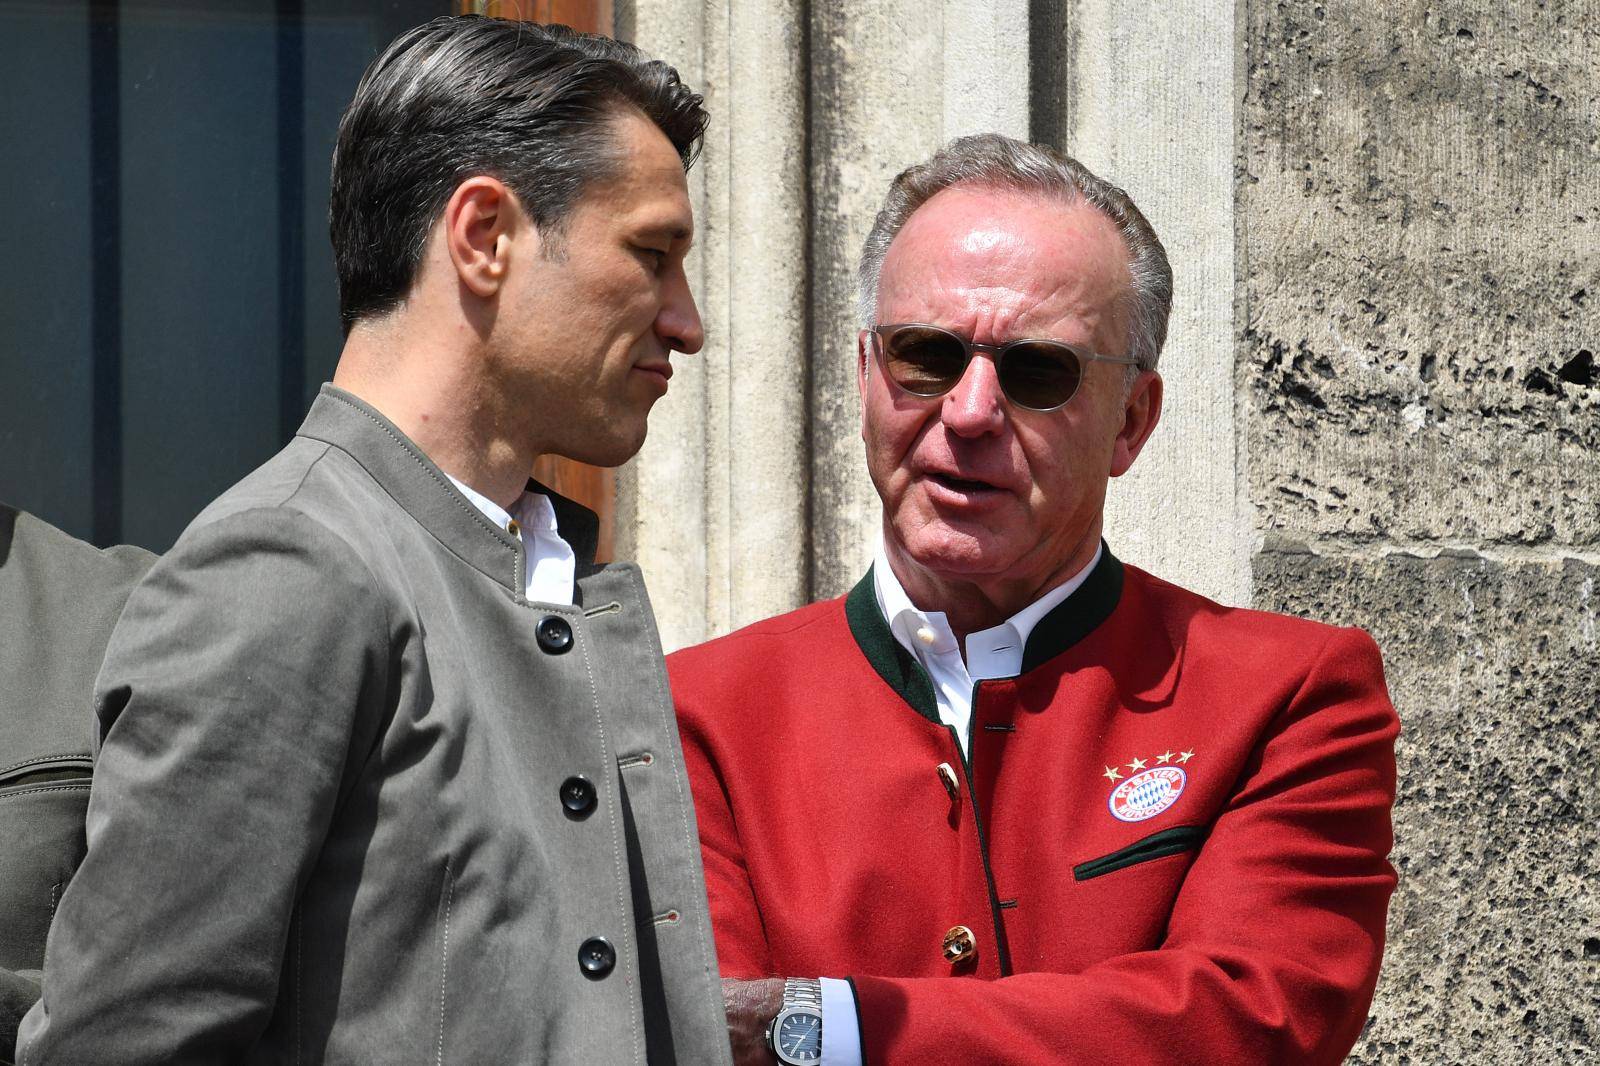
{"x": 167, "y": 299}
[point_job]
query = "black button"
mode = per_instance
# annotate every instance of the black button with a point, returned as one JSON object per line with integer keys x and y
{"x": 555, "y": 634}
{"x": 597, "y": 958}
{"x": 577, "y": 796}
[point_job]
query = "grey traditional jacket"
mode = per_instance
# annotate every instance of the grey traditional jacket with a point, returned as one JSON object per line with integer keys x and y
{"x": 59, "y": 598}
{"x": 360, "y": 802}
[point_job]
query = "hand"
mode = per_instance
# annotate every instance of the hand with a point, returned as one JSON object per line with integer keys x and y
{"x": 751, "y": 1006}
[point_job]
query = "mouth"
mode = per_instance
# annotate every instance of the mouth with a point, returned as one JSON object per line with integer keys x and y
{"x": 661, "y": 370}
{"x": 967, "y": 488}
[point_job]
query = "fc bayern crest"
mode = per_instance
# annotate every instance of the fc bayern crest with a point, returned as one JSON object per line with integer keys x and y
{"x": 1148, "y": 793}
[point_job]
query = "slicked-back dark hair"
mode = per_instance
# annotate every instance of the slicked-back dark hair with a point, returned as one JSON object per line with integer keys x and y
{"x": 466, "y": 95}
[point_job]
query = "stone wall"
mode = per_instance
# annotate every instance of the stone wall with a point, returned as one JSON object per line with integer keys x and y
{"x": 1383, "y": 405}
{"x": 1419, "y": 210}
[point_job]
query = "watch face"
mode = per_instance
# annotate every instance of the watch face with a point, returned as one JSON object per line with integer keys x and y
{"x": 799, "y": 1037}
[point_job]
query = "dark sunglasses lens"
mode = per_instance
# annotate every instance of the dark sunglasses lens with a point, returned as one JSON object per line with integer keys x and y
{"x": 925, "y": 362}
{"x": 1040, "y": 375}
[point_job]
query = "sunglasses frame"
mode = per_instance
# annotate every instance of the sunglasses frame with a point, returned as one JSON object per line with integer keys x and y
{"x": 880, "y": 347}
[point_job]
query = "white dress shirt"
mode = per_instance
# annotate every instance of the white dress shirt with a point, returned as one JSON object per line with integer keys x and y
{"x": 990, "y": 653}
{"x": 552, "y": 566}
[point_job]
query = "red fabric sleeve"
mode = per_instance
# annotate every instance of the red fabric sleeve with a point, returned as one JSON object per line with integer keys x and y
{"x": 735, "y": 919}
{"x": 1273, "y": 947}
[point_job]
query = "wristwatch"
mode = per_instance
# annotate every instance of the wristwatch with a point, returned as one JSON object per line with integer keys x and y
{"x": 795, "y": 1035}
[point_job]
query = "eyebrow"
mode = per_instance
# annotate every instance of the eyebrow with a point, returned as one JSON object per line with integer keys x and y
{"x": 669, "y": 230}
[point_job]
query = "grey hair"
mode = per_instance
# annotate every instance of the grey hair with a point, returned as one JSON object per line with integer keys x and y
{"x": 997, "y": 161}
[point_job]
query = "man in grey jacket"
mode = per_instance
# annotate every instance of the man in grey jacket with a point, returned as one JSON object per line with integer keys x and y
{"x": 389, "y": 770}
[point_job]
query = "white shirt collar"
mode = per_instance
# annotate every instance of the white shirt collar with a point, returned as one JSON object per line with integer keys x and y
{"x": 990, "y": 653}
{"x": 551, "y": 563}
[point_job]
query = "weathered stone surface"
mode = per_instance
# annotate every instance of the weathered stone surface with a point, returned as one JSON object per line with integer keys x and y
{"x": 1177, "y": 162}
{"x": 1494, "y": 933}
{"x": 703, "y": 512}
{"x": 1420, "y": 228}
{"x": 1421, "y": 225}
{"x": 877, "y": 106}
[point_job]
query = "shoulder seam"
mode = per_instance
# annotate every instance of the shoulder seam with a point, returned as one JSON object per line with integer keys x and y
{"x": 287, "y": 507}
{"x": 287, "y": 504}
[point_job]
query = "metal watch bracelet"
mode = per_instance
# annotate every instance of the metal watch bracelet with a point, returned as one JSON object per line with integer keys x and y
{"x": 803, "y": 992}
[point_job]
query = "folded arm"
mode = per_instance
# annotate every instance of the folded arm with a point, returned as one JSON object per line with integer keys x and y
{"x": 1273, "y": 946}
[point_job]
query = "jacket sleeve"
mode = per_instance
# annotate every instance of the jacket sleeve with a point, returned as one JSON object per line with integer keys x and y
{"x": 231, "y": 704}
{"x": 1273, "y": 947}
{"x": 741, "y": 938}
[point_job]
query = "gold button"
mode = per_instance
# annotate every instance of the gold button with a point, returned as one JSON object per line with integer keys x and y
{"x": 948, "y": 775}
{"x": 514, "y": 529}
{"x": 926, "y": 635}
{"x": 959, "y": 945}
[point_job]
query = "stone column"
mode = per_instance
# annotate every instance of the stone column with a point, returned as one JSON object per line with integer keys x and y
{"x": 1146, "y": 101}
{"x": 877, "y": 106}
{"x": 717, "y": 503}
{"x": 751, "y": 495}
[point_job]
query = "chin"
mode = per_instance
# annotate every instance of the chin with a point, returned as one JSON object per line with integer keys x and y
{"x": 618, "y": 447}
{"x": 955, "y": 552}
{"x": 612, "y": 453}
{"x": 612, "y": 446}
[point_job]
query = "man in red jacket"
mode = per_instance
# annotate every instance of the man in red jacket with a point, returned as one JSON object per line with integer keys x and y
{"x": 1010, "y": 799}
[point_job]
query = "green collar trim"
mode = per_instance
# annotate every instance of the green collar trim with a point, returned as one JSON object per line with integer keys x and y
{"x": 1078, "y": 615}
{"x": 1067, "y": 623}
{"x": 899, "y": 670}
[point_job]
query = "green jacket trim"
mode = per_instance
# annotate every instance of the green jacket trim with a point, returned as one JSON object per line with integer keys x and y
{"x": 1174, "y": 841}
{"x": 1078, "y": 615}
{"x": 1067, "y": 623}
{"x": 898, "y": 667}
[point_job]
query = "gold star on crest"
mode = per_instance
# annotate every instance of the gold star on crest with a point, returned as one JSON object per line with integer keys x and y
{"x": 1165, "y": 757}
{"x": 1111, "y": 772}
{"x": 1137, "y": 764}
{"x": 1186, "y": 756}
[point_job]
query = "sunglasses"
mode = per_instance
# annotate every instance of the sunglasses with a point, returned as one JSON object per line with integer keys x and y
{"x": 1040, "y": 375}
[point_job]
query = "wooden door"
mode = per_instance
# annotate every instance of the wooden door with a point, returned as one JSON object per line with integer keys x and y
{"x": 594, "y": 487}
{"x": 590, "y": 16}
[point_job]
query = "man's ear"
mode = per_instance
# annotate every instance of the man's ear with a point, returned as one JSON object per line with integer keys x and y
{"x": 482, "y": 220}
{"x": 1140, "y": 413}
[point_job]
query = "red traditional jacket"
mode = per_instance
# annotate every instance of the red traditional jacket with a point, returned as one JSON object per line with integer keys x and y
{"x": 1168, "y": 844}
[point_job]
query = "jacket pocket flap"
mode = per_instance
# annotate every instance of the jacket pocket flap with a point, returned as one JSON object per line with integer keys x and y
{"x": 47, "y": 769}
{"x": 1172, "y": 841}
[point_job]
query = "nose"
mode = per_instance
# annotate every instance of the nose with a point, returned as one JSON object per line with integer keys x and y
{"x": 678, "y": 322}
{"x": 975, "y": 407}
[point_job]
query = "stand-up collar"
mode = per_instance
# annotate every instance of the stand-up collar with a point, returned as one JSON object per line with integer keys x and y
{"x": 1065, "y": 625}
{"x": 1078, "y": 615}
{"x": 425, "y": 493}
